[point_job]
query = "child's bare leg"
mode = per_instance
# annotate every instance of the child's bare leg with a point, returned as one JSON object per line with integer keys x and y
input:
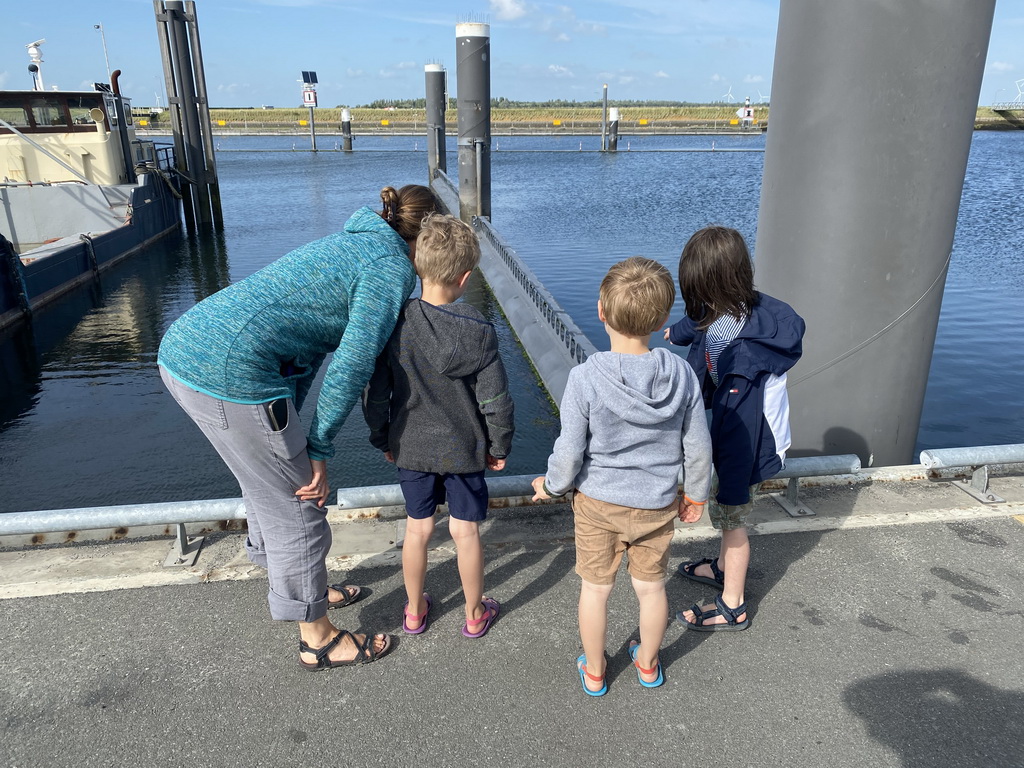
{"x": 470, "y": 554}
{"x": 593, "y": 623}
{"x": 653, "y": 622}
{"x": 733, "y": 560}
{"x": 414, "y": 566}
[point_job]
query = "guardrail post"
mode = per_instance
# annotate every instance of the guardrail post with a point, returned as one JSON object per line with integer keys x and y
{"x": 185, "y": 551}
{"x": 790, "y": 500}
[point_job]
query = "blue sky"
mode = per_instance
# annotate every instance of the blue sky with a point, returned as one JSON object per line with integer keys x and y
{"x": 254, "y": 50}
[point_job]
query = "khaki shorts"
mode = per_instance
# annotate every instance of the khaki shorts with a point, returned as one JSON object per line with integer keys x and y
{"x": 605, "y": 531}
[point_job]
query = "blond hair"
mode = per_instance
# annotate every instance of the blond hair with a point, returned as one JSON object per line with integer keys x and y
{"x": 446, "y": 249}
{"x": 636, "y": 296}
{"x": 405, "y": 208}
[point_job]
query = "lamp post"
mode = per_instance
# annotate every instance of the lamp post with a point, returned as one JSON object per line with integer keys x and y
{"x": 103, "y": 39}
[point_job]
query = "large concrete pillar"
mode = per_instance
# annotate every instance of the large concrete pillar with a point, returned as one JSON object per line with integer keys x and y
{"x": 473, "y": 72}
{"x": 437, "y": 105}
{"x": 872, "y": 114}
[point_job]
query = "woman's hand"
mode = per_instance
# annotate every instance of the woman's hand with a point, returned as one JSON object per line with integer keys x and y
{"x": 668, "y": 332}
{"x": 494, "y": 464}
{"x": 317, "y": 489}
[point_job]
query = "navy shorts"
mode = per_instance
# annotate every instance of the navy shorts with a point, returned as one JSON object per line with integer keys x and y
{"x": 423, "y": 491}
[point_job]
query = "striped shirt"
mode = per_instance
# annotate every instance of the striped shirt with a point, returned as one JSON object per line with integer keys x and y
{"x": 719, "y": 334}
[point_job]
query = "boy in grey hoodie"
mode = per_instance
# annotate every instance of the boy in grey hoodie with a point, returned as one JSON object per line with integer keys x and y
{"x": 438, "y": 406}
{"x": 630, "y": 418}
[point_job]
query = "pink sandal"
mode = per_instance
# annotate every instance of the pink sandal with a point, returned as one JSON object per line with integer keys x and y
{"x": 491, "y": 609}
{"x": 422, "y": 618}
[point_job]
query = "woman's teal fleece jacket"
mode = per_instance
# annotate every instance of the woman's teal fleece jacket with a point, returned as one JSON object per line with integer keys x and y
{"x": 264, "y": 338}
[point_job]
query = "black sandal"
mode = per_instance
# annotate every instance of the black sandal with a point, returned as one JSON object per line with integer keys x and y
{"x": 365, "y": 651}
{"x": 687, "y": 570}
{"x": 351, "y": 593}
{"x": 721, "y": 609}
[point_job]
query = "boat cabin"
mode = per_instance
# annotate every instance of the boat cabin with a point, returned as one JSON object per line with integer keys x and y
{"x": 68, "y": 136}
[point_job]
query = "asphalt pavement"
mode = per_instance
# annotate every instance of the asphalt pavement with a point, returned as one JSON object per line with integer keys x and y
{"x": 881, "y": 635}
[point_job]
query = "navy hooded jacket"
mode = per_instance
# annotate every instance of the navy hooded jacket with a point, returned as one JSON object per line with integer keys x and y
{"x": 743, "y": 444}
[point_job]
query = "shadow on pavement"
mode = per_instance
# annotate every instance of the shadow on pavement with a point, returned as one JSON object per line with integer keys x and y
{"x": 941, "y": 717}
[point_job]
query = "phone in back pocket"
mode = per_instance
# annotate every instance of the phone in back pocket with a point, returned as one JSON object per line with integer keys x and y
{"x": 277, "y": 411}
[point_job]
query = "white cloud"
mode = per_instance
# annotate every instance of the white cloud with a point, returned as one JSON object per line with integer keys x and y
{"x": 753, "y": 79}
{"x": 508, "y": 10}
{"x": 354, "y": 72}
{"x": 4, "y": 77}
{"x": 1001, "y": 66}
{"x": 562, "y": 38}
{"x": 717, "y": 78}
{"x": 406, "y": 65}
{"x": 661, "y": 73}
{"x": 559, "y": 71}
{"x": 626, "y": 79}
{"x": 231, "y": 88}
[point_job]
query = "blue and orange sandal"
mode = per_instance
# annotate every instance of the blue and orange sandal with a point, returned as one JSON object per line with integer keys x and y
{"x": 732, "y": 624}
{"x": 422, "y": 618}
{"x": 688, "y": 571}
{"x": 633, "y": 648}
{"x": 491, "y": 609}
{"x": 581, "y": 667}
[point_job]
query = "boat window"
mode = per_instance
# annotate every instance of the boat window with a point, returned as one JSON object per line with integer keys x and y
{"x": 48, "y": 111}
{"x": 13, "y": 111}
{"x": 79, "y": 108}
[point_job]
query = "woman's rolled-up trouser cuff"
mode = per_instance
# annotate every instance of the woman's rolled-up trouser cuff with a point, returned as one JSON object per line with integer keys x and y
{"x": 285, "y": 609}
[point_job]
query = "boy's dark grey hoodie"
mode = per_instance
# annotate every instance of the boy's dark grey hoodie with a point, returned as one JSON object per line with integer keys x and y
{"x": 438, "y": 398}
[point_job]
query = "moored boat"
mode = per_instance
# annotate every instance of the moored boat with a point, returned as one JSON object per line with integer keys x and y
{"x": 79, "y": 190}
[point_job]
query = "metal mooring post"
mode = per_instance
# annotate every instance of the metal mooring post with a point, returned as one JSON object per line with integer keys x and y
{"x": 864, "y": 199}
{"x": 186, "y": 89}
{"x": 437, "y": 104}
{"x": 613, "y": 129}
{"x": 346, "y": 130}
{"x": 604, "y": 119}
{"x": 473, "y": 56}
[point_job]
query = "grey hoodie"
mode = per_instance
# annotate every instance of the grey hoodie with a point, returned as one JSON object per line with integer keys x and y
{"x": 628, "y": 423}
{"x": 438, "y": 398}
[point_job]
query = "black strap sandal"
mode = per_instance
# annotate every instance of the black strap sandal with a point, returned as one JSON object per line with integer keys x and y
{"x": 352, "y": 594}
{"x": 687, "y": 570}
{"x": 365, "y": 651}
{"x": 721, "y": 609}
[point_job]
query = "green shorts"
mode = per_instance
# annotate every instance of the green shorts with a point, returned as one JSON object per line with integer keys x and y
{"x": 729, "y": 517}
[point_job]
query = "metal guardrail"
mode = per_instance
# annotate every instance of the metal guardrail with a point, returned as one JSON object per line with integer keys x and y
{"x": 810, "y": 466}
{"x": 978, "y": 459}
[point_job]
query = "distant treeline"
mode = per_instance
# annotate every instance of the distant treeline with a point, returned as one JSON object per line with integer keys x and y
{"x": 502, "y": 103}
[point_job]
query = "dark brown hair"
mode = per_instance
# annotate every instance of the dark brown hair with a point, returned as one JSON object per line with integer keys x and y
{"x": 636, "y": 296}
{"x": 405, "y": 208}
{"x": 716, "y": 276}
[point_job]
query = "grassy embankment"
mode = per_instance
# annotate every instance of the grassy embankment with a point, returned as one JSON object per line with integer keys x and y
{"x": 525, "y": 120}
{"x": 633, "y": 120}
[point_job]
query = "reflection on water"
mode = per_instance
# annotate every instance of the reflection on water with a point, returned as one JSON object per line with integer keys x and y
{"x": 84, "y": 418}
